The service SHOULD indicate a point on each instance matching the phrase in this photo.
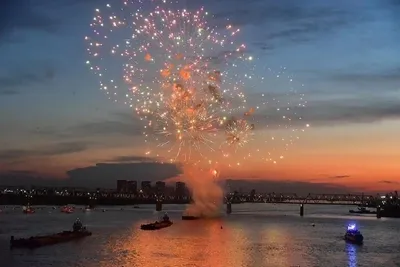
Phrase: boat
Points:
(389, 206)
(39, 241)
(158, 224)
(67, 209)
(353, 235)
(190, 217)
(362, 210)
(390, 211)
(78, 232)
(28, 210)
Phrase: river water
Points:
(258, 235)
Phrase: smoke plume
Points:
(207, 195)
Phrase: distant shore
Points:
(64, 200)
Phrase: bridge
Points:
(117, 198)
(319, 199)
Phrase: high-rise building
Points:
(121, 186)
(169, 191)
(252, 192)
(180, 189)
(131, 187)
(160, 187)
(146, 187)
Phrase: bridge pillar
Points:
(228, 207)
(92, 202)
(158, 205)
(301, 210)
(378, 212)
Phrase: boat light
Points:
(351, 227)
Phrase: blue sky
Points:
(345, 52)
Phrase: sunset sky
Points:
(54, 119)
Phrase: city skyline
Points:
(56, 123)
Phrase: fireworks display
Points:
(186, 81)
(238, 132)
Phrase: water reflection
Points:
(351, 251)
(192, 243)
(258, 240)
(278, 242)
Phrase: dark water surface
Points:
(258, 235)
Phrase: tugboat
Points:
(353, 235)
(157, 225)
(78, 231)
(362, 210)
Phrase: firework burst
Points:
(238, 132)
(183, 78)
